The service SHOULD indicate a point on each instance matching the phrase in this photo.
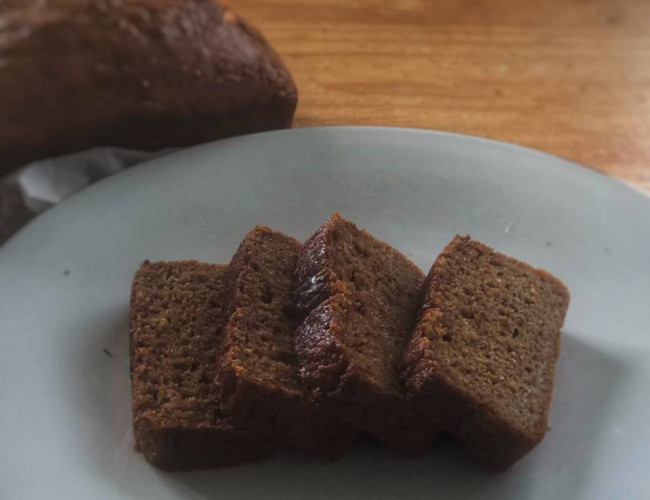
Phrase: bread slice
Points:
(258, 373)
(482, 358)
(140, 74)
(176, 325)
(359, 298)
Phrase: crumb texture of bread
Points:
(259, 373)
(358, 298)
(481, 361)
(139, 74)
(176, 322)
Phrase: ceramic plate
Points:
(64, 292)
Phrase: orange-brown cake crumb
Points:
(482, 358)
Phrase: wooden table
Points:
(570, 77)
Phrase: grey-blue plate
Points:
(64, 292)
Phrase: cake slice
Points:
(359, 298)
(258, 372)
(176, 323)
(482, 358)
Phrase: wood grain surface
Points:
(570, 77)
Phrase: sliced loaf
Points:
(259, 372)
(482, 358)
(359, 298)
(176, 324)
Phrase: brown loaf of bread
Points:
(176, 324)
(258, 373)
(143, 74)
(482, 359)
(360, 297)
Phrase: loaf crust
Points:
(141, 74)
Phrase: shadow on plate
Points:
(585, 387)
(103, 387)
(586, 395)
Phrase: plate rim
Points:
(614, 182)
